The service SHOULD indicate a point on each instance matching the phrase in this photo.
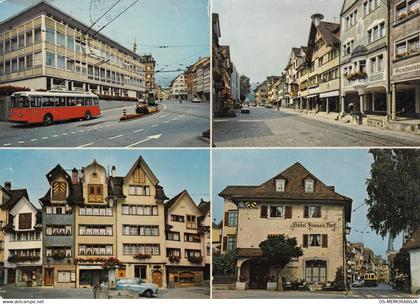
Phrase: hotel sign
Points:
(407, 69)
(313, 225)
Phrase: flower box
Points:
(356, 76)
(141, 256)
(174, 259)
(195, 259)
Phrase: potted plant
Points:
(195, 259)
(174, 259)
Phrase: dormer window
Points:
(309, 185)
(280, 185)
(58, 191)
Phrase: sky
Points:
(346, 169)
(184, 24)
(262, 33)
(176, 170)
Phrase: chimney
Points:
(317, 18)
(74, 176)
(113, 171)
(8, 185)
(82, 174)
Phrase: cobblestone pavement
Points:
(272, 128)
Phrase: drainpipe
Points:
(390, 93)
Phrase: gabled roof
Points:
(140, 163)
(15, 196)
(177, 198)
(414, 241)
(294, 190)
(58, 171)
(204, 207)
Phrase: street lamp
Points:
(347, 231)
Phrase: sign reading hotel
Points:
(313, 225)
(407, 69)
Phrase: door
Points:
(11, 276)
(258, 271)
(157, 278)
(49, 276)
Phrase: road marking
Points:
(45, 137)
(157, 136)
(64, 134)
(86, 145)
(114, 137)
(73, 132)
(9, 144)
(21, 142)
(154, 126)
(34, 139)
(165, 122)
(55, 135)
(137, 131)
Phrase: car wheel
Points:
(148, 293)
(48, 119)
(88, 115)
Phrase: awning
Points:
(330, 94)
(312, 95)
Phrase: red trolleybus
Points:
(48, 107)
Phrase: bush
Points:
(142, 110)
(339, 280)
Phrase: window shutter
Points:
(305, 241)
(226, 223)
(288, 212)
(306, 212)
(263, 211)
(324, 240)
(224, 242)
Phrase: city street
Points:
(380, 292)
(272, 128)
(13, 292)
(176, 125)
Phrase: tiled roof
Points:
(15, 196)
(414, 241)
(329, 32)
(204, 207)
(173, 200)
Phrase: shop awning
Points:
(330, 94)
(312, 95)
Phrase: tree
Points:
(279, 250)
(224, 264)
(245, 85)
(393, 191)
(339, 279)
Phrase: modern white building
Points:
(179, 87)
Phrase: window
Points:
(29, 61)
(177, 218)
(29, 38)
(309, 185)
(315, 240)
(37, 59)
(63, 276)
(50, 34)
(50, 59)
(173, 252)
(276, 211)
(21, 63)
(21, 42)
(95, 230)
(233, 218)
(191, 237)
(152, 249)
(95, 193)
(139, 176)
(315, 271)
(191, 222)
(140, 210)
(95, 210)
(191, 253)
(140, 230)
(37, 35)
(61, 39)
(231, 242)
(173, 236)
(280, 185)
(58, 230)
(93, 249)
(70, 43)
(61, 62)
(139, 190)
(25, 220)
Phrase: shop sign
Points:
(313, 225)
(407, 69)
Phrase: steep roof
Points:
(141, 163)
(414, 241)
(177, 198)
(15, 195)
(204, 207)
(295, 176)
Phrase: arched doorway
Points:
(315, 271)
(256, 271)
(157, 278)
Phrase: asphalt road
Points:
(177, 125)
(380, 292)
(272, 128)
(13, 292)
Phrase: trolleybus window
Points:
(20, 102)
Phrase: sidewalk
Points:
(346, 121)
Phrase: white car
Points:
(245, 109)
(143, 288)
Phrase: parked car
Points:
(245, 109)
(196, 100)
(358, 283)
(268, 106)
(143, 288)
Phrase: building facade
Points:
(364, 57)
(149, 65)
(22, 240)
(185, 242)
(404, 49)
(45, 48)
(294, 203)
(179, 87)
